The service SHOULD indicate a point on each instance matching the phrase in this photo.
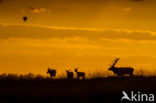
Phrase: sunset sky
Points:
(65, 34)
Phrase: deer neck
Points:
(114, 69)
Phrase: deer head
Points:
(67, 71)
(48, 70)
(76, 69)
(114, 63)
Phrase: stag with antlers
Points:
(120, 71)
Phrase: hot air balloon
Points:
(25, 18)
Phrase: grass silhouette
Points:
(32, 88)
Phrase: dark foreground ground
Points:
(99, 90)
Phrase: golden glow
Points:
(65, 34)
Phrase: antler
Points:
(115, 61)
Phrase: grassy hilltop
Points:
(38, 89)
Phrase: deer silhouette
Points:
(120, 71)
(79, 74)
(52, 72)
(70, 74)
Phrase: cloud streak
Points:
(127, 9)
(46, 32)
(38, 10)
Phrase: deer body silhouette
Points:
(79, 74)
(52, 72)
(120, 71)
(70, 74)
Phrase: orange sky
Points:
(65, 34)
